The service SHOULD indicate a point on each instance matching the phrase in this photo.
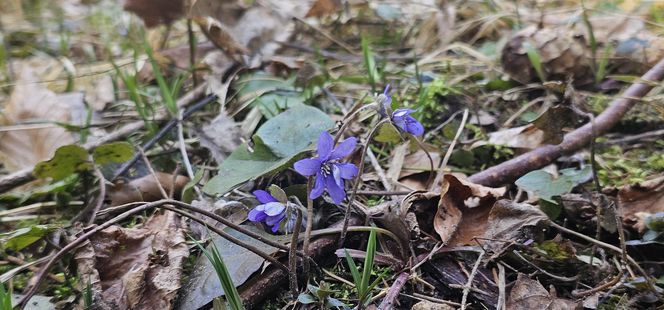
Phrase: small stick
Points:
(356, 185)
(153, 173)
(501, 287)
(602, 244)
(183, 146)
(393, 292)
(559, 278)
(307, 229)
(443, 164)
(469, 284)
(292, 254)
(102, 194)
(379, 169)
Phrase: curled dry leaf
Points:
(220, 36)
(322, 8)
(641, 199)
(531, 295)
(30, 102)
(145, 188)
(139, 267)
(473, 201)
(459, 213)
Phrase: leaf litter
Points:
(259, 82)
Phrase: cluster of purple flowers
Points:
(328, 168)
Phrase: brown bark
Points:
(512, 169)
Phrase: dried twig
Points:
(393, 292)
(469, 284)
(510, 170)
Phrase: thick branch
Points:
(512, 169)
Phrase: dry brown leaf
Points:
(221, 136)
(30, 102)
(528, 294)
(323, 8)
(220, 36)
(641, 199)
(463, 210)
(505, 222)
(145, 188)
(155, 12)
(526, 137)
(457, 215)
(141, 267)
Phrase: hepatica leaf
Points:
(67, 160)
(117, 152)
(275, 146)
(23, 237)
(544, 185)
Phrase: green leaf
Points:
(188, 190)
(276, 145)
(116, 152)
(67, 160)
(278, 193)
(545, 186)
(388, 133)
(244, 165)
(293, 131)
(306, 299)
(23, 237)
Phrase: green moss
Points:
(619, 167)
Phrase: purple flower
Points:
(270, 211)
(402, 119)
(329, 171)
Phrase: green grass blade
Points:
(368, 261)
(370, 64)
(5, 298)
(166, 92)
(535, 60)
(603, 63)
(353, 270)
(231, 293)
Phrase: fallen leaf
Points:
(553, 121)
(141, 267)
(428, 305)
(322, 8)
(473, 202)
(645, 197)
(506, 222)
(23, 237)
(526, 137)
(145, 188)
(528, 294)
(155, 12)
(220, 36)
(30, 103)
(221, 136)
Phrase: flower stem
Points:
(292, 254)
(359, 179)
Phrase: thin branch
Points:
(102, 194)
(469, 284)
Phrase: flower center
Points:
(326, 169)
